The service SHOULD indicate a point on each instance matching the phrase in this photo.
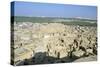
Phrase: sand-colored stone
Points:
(56, 39)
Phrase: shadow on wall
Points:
(43, 58)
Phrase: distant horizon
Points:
(33, 9)
(56, 17)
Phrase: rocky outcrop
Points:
(56, 39)
(86, 59)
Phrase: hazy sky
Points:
(53, 10)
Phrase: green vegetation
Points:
(81, 23)
(69, 21)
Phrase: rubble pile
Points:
(55, 39)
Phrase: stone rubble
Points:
(56, 39)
